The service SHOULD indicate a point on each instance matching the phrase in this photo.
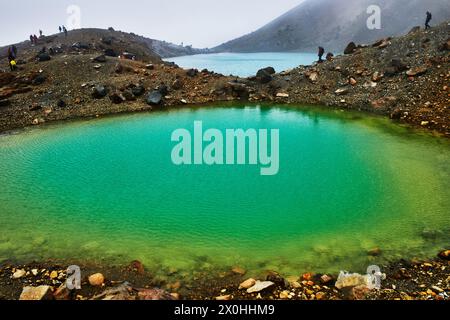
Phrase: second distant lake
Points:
(244, 64)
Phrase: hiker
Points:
(65, 31)
(60, 29)
(429, 17)
(330, 56)
(12, 55)
(35, 39)
(31, 39)
(321, 53)
(40, 33)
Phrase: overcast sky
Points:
(202, 23)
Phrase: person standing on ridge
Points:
(429, 17)
(35, 39)
(65, 31)
(12, 55)
(60, 29)
(321, 53)
(40, 33)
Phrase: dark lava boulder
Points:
(128, 95)
(138, 90)
(269, 70)
(239, 89)
(117, 98)
(163, 89)
(80, 45)
(100, 59)
(39, 79)
(177, 84)
(263, 76)
(154, 98)
(110, 53)
(191, 72)
(43, 56)
(351, 48)
(399, 65)
(4, 103)
(277, 279)
(99, 92)
(61, 103)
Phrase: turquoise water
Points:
(244, 64)
(106, 190)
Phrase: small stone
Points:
(247, 284)
(341, 91)
(224, 298)
(282, 95)
(260, 286)
(34, 272)
(307, 276)
(284, 295)
(352, 81)
(239, 270)
(53, 275)
(326, 279)
(36, 293)
(415, 72)
(437, 289)
(359, 292)
(96, 280)
(19, 274)
(424, 123)
(320, 295)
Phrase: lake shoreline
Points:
(405, 280)
(409, 90)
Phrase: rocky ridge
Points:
(405, 78)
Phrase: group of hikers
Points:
(63, 29)
(12, 51)
(330, 55)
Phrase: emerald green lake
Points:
(106, 190)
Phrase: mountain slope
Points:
(98, 39)
(335, 23)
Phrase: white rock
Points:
(282, 95)
(351, 280)
(19, 274)
(260, 286)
